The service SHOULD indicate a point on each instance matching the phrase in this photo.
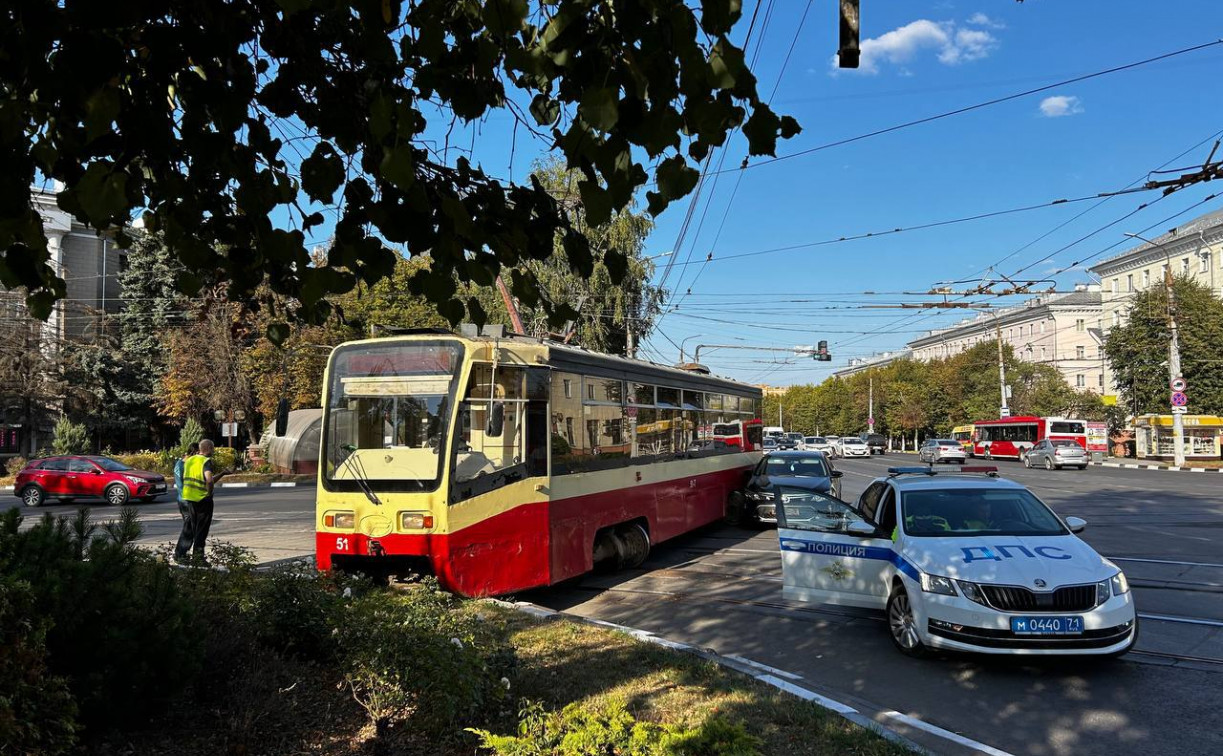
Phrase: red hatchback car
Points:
(68, 478)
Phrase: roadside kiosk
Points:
(1153, 436)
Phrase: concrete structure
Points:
(1196, 251)
(772, 390)
(859, 364)
(1062, 330)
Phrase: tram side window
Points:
(491, 436)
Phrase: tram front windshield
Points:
(387, 414)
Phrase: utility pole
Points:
(1174, 369)
(1003, 409)
(870, 404)
(1174, 352)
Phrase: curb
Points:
(1173, 468)
(247, 484)
(772, 677)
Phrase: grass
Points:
(565, 662)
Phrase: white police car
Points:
(960, 560)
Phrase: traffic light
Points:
(821, 352)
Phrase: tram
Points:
(504, 463)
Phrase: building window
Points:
(1101, 380)
(1080, 353)
(1116, 318)
(1080, 381)
(1116, 284)
(1080, 325)
(1042, 354)
(1204, 262)
(1129, 282)
(1146, 278)
(568, 390)
(1042, 326)
(1185, 266)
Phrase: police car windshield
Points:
(956, 512)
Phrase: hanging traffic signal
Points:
(821, 352)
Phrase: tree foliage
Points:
(70, 437)
(191, 112)
(1137, 350)
(930, 398)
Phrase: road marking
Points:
(1181, 620)
(1164, 561)
(945, 734)
(235, 485)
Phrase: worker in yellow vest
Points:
(198, 479)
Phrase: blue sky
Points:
(922, 59)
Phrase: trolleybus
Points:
(500, 464)
(964, 434)
(1013, 436)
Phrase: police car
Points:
(959, 560)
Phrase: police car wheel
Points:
(902, 624)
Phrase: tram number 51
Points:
(343, 544)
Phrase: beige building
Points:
(1194, 249)
(1062, 330)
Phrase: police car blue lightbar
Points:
(987, 469)
(911, 471)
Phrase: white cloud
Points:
(952, 45)
(1060, 105)
(980, 19)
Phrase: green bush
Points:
(70, 437)
(37, 713)
(225, 459)
(579, 731)
(15, 465)
(146, 460)
(118, 621)
(192, 433)
(415, 653)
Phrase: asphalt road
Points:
(720, 589)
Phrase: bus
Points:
(1013, 436)
(739, 433)
(963, 434)
(504, 463)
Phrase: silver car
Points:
(1056, 454)
(941, 450)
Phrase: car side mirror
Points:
(861, 528)
(837, 473)
(1076, 524)
(282, 418)
(496, 420)
(95, 471)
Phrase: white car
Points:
(817, 443)
(835, 443)
(854, 447)
(960, 561)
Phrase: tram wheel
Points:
(636, 545)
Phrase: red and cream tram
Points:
(500, 464)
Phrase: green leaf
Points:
(617, 265)
(322, 173)
(101, 109)
(718, 16)
(101, 194)
(577, 251)
(790, 127)
(598, 108)
(596, 202)
(505, 17)
(545, 109)
(726, 66)
(399, 166)
(380, 117)
(278, 333)
(676, 178)
(761, 131)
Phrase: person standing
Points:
(196, 492)
(192, 450)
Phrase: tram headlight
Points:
(341, 520)
(415, 521)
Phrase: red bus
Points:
(499, 464)
(745, 434)
(1013, 436)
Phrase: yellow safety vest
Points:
(195, 488)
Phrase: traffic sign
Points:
(1178, 384)
(1179, 399)
(870, 421)
(1179, 410)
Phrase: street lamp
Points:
(655, 257)
(1174, 356)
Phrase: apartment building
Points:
(1062, 330)
(1194, 249)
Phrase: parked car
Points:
(876, 442)
(817, 443)
(854, 447)
(786, 474)
(81, 477)
(769, 444)
(835, 443)
(788, 441)
(941, 450)
(1056, 454)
